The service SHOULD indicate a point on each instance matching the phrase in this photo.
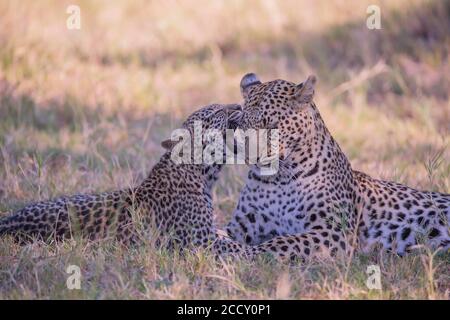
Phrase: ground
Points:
(85, 111)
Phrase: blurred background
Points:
(85, 110)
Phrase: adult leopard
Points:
(315, 197)
(175, 198)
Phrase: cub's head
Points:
(215, 116)
(281, 105)
(205, 128)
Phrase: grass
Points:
(85, 111)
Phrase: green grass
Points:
(85, 111)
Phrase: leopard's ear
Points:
(248, 81)
(168, 144)
(304, 92)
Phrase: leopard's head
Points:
(209, 124)
(215, 116)
(281, 105)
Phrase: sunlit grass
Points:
(85, 111)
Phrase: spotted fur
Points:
(316, 201)
(175, 198)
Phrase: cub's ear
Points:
(304, 93)
(168, 144)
